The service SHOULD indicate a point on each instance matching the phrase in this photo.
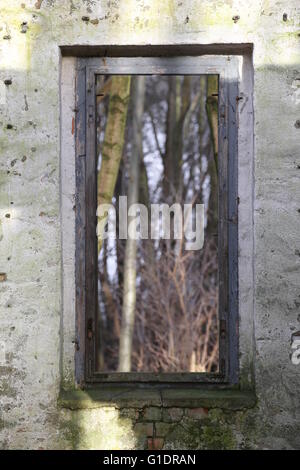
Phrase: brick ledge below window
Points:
(96, 397)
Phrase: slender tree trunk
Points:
(212, 115)
(120, 243)
(178, 117)
(129, 292)
(170, 133)
(113, 145)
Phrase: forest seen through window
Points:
(157, 146)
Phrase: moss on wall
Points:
(32, 326)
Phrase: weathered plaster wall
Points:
(31, 232)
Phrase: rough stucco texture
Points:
(30, 228)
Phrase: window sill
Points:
(230, 399)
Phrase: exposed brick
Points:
(3, 277)
(144, 429)
(156, 443)
(197, 413)
(151, 414)
(130, 413)
(172, 415)
(162, 429)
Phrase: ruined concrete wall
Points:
(32, 346)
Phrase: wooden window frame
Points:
(226, 67)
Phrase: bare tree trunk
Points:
(180, 109)
(112, 145)
(129, 292)
(170, 133)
